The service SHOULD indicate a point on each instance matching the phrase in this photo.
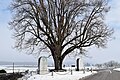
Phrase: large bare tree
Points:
(59, 26)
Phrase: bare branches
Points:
(60, 26)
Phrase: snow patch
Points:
(76, 75)
(117, 69)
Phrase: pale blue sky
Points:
(112, 52)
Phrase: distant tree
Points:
(87, 64)
(59, 26)
(111, 64)
(3, 71)
(99, 65)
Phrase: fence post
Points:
(52, 73)
(13, 67)
(71, 72)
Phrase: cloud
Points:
(113, 16)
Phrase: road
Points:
(105, 75)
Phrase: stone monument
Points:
(42, 65)
(79, 64)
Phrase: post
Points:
(71, 72)
(38, 70)
(13, 67)
(52, 73)
(84, 70)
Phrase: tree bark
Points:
(58, 60)
(57, 57)
(58, 63)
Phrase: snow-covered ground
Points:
(19, 69)
(2, 67)
(68, 75)
(76, 75)
(117, 69)
(9, 68)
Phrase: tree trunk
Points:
(58, 63)
(58, 60)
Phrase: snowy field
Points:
(9, 68)
(68, 75)
(76, 75)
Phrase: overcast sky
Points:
(112, 52)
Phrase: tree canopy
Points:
(59, 26)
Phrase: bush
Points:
(3, 71)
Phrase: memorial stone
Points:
(79, 64)
(42, 65)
